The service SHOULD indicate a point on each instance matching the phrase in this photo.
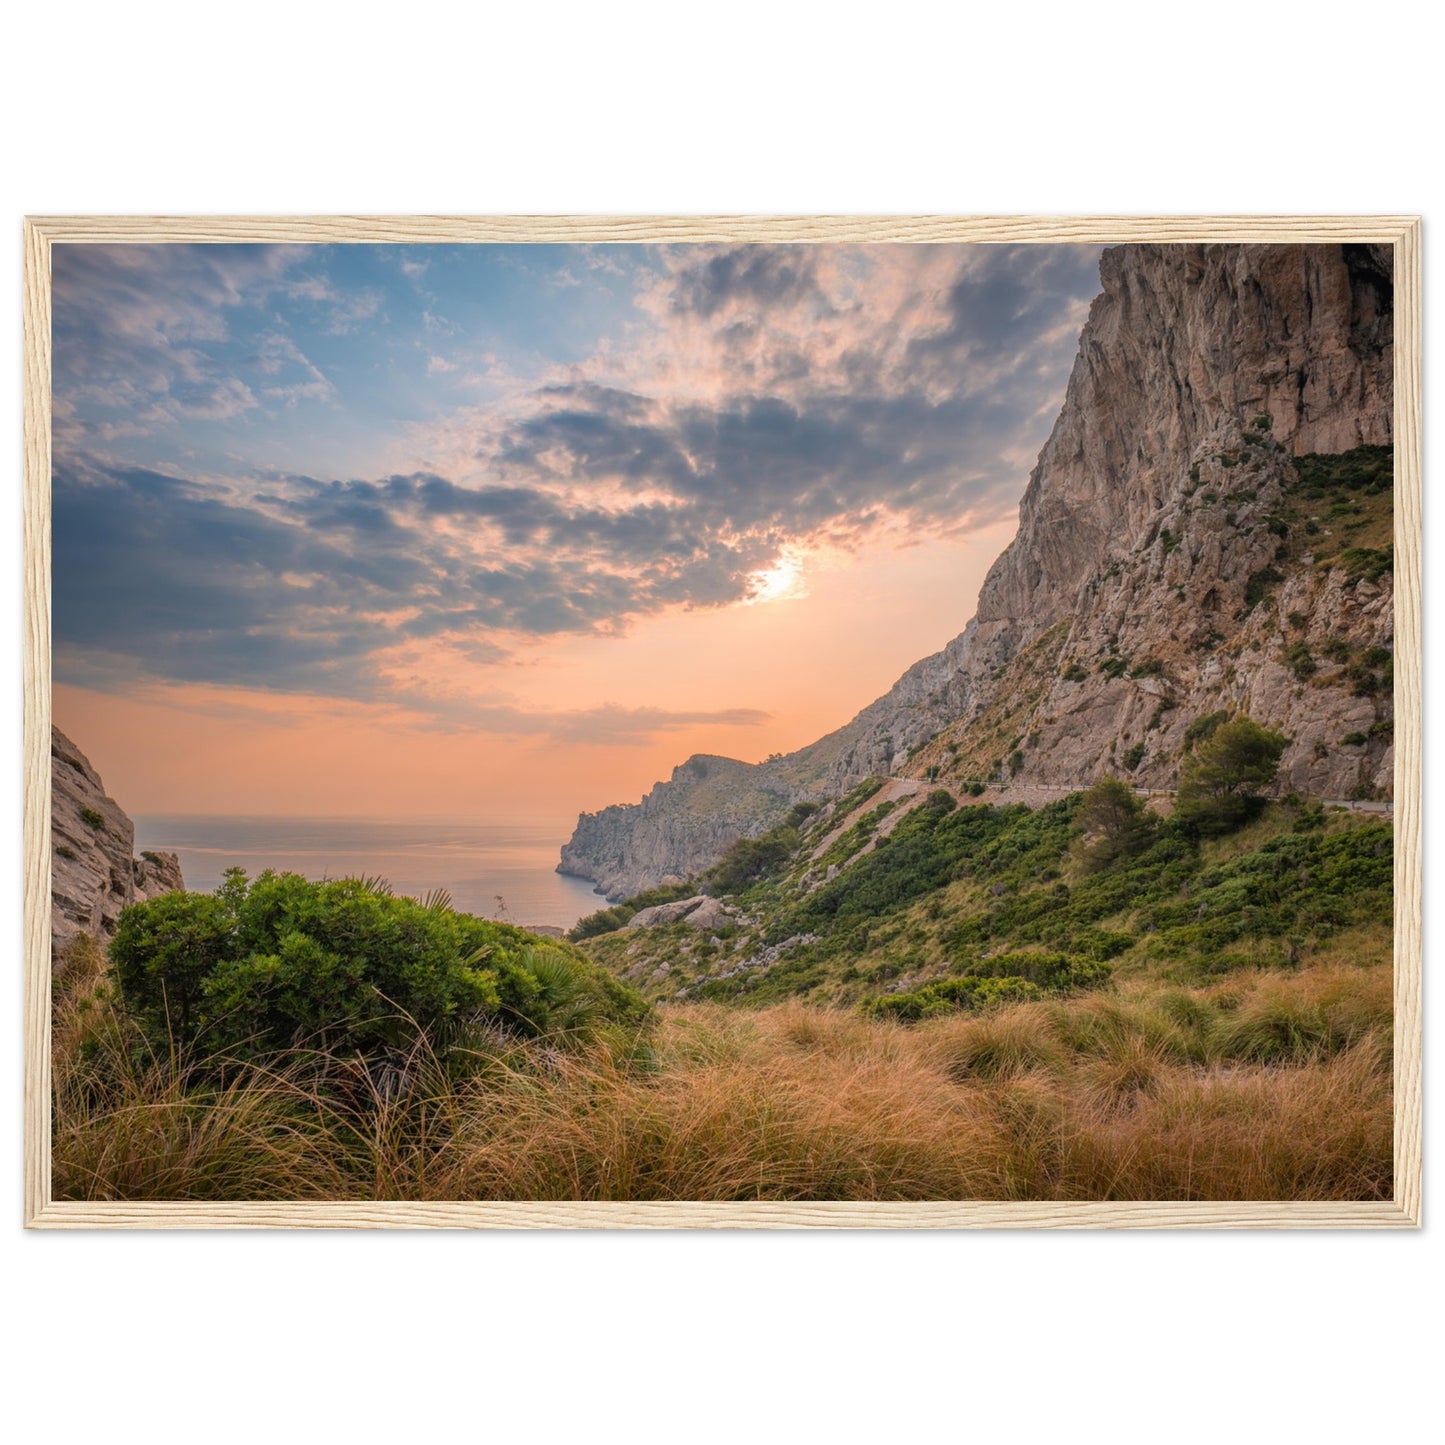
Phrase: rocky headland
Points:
(1208, 529)
(94, 870)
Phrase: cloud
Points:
(611, 725)
(141, 336)
(758, 277)
(343, 311)
(768, 401)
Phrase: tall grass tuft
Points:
(1264, 1087)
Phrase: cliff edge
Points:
(1208, 528)
(94, 870)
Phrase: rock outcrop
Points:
(1168, 564)
(700, 912)
(680, 827)
(94, 870)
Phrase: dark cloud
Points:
(757, 276)
(762, 462)
(1014, 296)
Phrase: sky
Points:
(504, 533)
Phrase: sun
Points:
(783, 580)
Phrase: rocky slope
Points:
(94, 870)
(1184, 547)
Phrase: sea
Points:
(505, 871)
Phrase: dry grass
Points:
(1262, 1087)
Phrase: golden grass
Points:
(1259, 1087)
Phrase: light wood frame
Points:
(1401, 232)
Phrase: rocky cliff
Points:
(94, 870)
(1207, 529)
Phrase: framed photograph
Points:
(722, 722)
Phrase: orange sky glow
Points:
(809, 661)
(505, 533)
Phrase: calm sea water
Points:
(494, 870)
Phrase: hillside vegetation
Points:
(907, 999)
(958, 894)
(1255, 1088)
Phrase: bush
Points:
(1221, 780)
(1367, 564)
(1300, 661)
(609, 920)
(750, 859)
(92, 819)
(1111, 823)
(343, 966)
(1202, 728)
(948, 996)
(1367, 469)
(1260, 585)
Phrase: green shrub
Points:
(1111, 824)
(1364, 469)
(64, 851)
(1052, 972)
(1367, 564)
(92, 819)
(1260, 585)
(948, 996)
(1300, 660)
(1220, 781)
(343, 966)
(1133, 756)
(752, 858)
(1203, 727)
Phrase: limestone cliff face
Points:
(1165, 561)
(678, 829)
(1165, 567)
(94, 873)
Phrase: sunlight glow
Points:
(782, 581)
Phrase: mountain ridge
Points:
(1184, 547)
